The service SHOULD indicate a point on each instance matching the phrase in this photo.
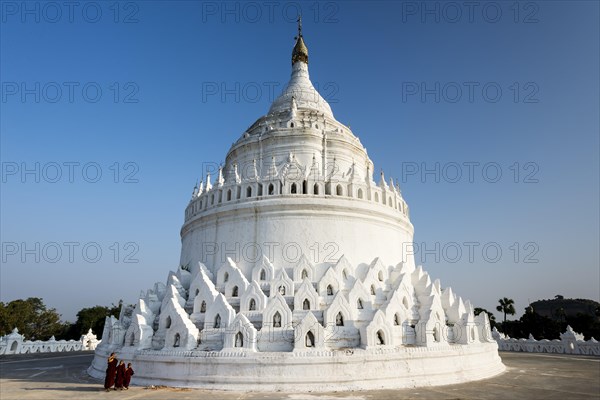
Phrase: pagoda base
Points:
(310, 370)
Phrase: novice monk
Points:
(111, 370)
(120, 376)
(128, 374)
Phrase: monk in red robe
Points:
(128, 374)
(111, 371)
(120, 376)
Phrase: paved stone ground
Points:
(528, 376)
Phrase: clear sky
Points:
(488, 116)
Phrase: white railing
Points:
(570, 342)
(15, 343)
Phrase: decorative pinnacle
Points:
(300, 52)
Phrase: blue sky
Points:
(148, 93)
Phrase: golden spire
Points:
(300, 52)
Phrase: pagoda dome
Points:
(296, 161)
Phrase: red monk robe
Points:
(111, 371)
(120, 376)
(128, 374)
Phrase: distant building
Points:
(560, 308)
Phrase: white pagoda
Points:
(296, 274)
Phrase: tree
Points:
(539, 326)
(31, 316)
(93, 317)
(587, 324)
(491, 316)
(560, 315)
(507, 307)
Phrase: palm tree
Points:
(507, 307)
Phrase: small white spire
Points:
(314, 168)
(208, 184)
(333, 168)
(272, 173)
(220, 179)
(382, 183)
(237, 175)
(353, 173)
(254, 169)
(232, 175)
(293, 108)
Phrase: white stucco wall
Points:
(284, 229)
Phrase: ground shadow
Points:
(71, 389)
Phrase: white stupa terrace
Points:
(295, 275)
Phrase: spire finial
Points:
(300, 52)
